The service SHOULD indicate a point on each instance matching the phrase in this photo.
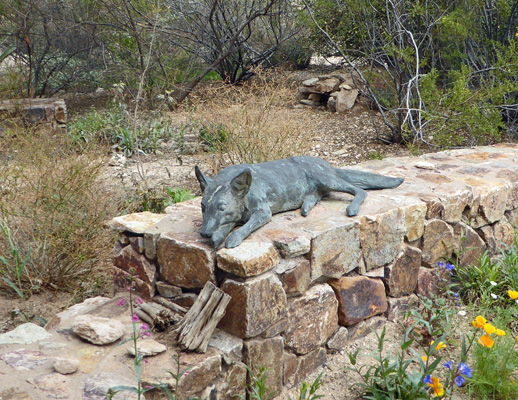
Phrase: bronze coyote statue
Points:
(249, 194)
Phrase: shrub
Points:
(54, 205)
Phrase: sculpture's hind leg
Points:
(309, 203)
(330, 183)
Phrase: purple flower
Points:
(456, 294)
(440, 264)
(145, 327)
(134, 318)
(148, 387)
(138, 301)
(448, 364)
(449, 267)
(427, 379)
(465, 370)
(121, 302)
(459, 381)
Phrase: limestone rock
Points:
(345, 99)
(326, 85)
(15, 394)
(437, 241)
(414, 219)
(24, 360)
(128, 259)
(381, 236)
(66, 366)
(363, 328)
(203, 369)
(147, 347)
(98, 330)
(310, 82)
(295, 275)
(250, 258)
(289, 244)
(401, 275)
(312, 319)
(359, 298)
(308, 363)
(136, 223)
(167, 290)
(339, 340)
(185, 300)
(498, 236)
(185, 261)
(235, 382)
(120, 283)
(468, 245)
(96, 387)
(335, 246)
(256, 305)
(427, 282)
(397, 307)
(230, 346)
(266, 353)
(24, 334)
(290, 364)
(52, 385)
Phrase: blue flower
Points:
(427, 379)
(449, 267)
(464, 369)
(448, 364)
(459, 380)
(456, 294)
(440, 264)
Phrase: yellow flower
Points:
(479, 322)
(436, 385)
(425, 359)
(486, 341)
(489, 328)
(513, 294)
(439, 346)
(500, 332)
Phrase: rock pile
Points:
(336, 92)
(50, 113)
(345, 275)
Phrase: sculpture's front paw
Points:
(233, 240)
(217, 240)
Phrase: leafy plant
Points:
(257, 389)
(177, 195)
(16, 267)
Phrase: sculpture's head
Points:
(223, 204)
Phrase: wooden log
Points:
(169, 304)
(198, 325)
(162, 317)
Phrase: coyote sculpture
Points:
(249, 194)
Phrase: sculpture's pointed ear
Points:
(203, 179)
(241, 184)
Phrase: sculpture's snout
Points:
(205, 234)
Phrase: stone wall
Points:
(303, 287)
(50, 113)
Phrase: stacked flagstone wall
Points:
(304, 287)
(49, 113)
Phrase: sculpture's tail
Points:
(368, 180)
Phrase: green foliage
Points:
(213, 135)
(117, 127)
(376, 155)
(494, 369)
(440, 72)
(15, 272)
(393, 376)
(490, 277)
(177, 195)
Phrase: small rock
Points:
(425, 165)
(66, 366)
(98, 330)
(147, 348)
(167, 290)
(24, 334)
(339, 340)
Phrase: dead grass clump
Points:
(249, 124)
(51, 200)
